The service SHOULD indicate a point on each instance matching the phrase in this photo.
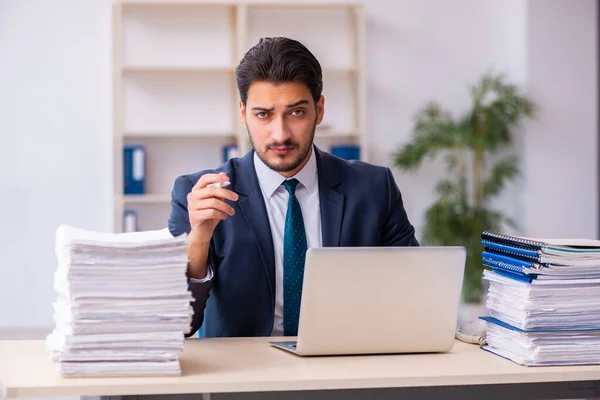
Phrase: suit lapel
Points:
(332, 202)
(253, 207)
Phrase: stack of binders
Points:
(543, 299)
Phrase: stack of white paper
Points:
(543, 304)
(543, 322)
(123, 305)
(547, 347)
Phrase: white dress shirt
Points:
(276, 201)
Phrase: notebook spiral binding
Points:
(512, 253)
(534, 244)
(503, 265)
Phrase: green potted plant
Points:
(477, 150)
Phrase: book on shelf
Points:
(134, 169)
(347, 152)
(230, 151)
(130, 221)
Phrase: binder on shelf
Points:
(134, 169)
(347, 152)
(130, 221)
(230, 151)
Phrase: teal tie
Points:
(294, 251)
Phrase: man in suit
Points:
(248, 240)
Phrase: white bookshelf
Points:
(175, 91)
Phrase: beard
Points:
(290, 165)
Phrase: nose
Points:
(280, 131)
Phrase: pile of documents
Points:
(123, 305)
(543, 299)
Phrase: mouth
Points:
(281, 150)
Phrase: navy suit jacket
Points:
(360, 204)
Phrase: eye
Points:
(298, 112)
(261, 114)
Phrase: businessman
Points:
(248, 239)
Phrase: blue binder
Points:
(229, 152)
(134, 169)
(350, 152)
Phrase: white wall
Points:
(55, 149)
(421, 50)
(560, 193)
(55, 122)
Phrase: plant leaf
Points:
(446, 188)
(434, 131)
(498, 107)
(502, 171)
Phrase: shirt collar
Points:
(270, 180)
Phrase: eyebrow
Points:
(296, 104)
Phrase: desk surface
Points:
(250, 364)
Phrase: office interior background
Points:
(62, 130)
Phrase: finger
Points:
(216, 204)
(212, 192)
(202, 216)
(207, 179)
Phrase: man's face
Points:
(281, 120)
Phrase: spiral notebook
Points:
(525, 243)
(511, 251)
(508, 264)
(572, 252)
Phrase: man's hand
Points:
(206, 206)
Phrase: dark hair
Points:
(279, 60)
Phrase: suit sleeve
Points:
(397, 230)
(179, 223)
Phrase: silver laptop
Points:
(378, 300)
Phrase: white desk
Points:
(250, 365)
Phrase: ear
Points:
(320, 109)
(243, 114)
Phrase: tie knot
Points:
(290, 185)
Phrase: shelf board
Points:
(191, 69)
(265, 4)
(319, 6)
(178, 135)
(170, 69)
(340, 70)
(327, 134)
(145, 199)
(130, 3)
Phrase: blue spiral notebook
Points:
(519, 243)
(516, 265)
(513, 251)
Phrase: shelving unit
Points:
(175, 92)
